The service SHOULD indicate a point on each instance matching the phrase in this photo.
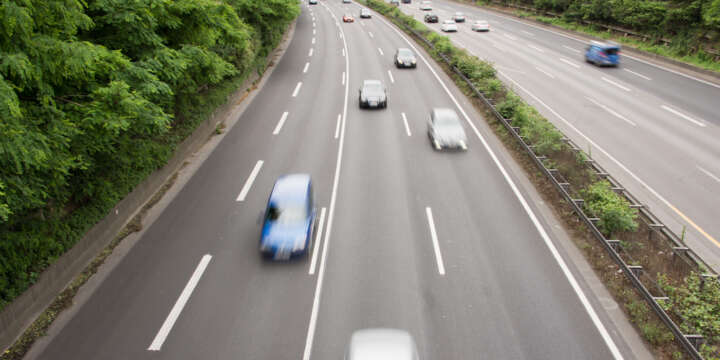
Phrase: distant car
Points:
(603, 54)
(346, 1)
(373, 94)
(365, 13)
(480, 25)
(426, 5)
(289, 218)
(406, 1)
(449, 26)
(404, 57)
(459, 17)
(431, 18)
(445, 130)
(381, 344)
(312, 2)
(395, 2)
(348, 18)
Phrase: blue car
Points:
(603, 54)
(289, 218)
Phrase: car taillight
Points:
(602, 54)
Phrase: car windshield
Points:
(287, 214)
(405, 53)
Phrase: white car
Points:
(426, 6)
(459, 17)
(449, 26)
(480, 25)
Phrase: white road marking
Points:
(341, 35)
(343, 52)
(297, 89)
(498, 47)
(571, 278)
(510, 36)
(545, 72)
(528, 33)
(313, 24)
(611, 111)
(391, 77)
(311, 52)
(536, 48)
(371, 35)
(331, 213)
(436, 244)
(313, 40)
(249, 181)
(313, 31)
(380, 51)
(638, 74)
(570, 63)
(572, 49)
(616, 84)
(343, 78)
(709, 174)
(280, 123)
(696, 122)
(306, 67)
(318, 238)
(337, 126)
(407, 127)
(362, 23)
(162, 334)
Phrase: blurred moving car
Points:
(404, 57)
(480, 25)
(348, 18)
(426, 5)
(381, 344)
(289, 218)
(365, 13)
(459, 17)
(395, 2)
(406, 1)
(346, 1)
(603, 54)
(312, 2)
(431, 18)
(445, 130)
(449, 26)
(373, 94)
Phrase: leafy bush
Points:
(698, 302)
(613, 210)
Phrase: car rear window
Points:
(612, 51)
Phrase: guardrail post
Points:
(695, 340)
(636, 269)
(615, 244)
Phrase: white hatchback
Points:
(426, 5)
(481, 25)
(449, 26)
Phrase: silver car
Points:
(445, 130)
(373, 94)
(381, 344)
(480, 25)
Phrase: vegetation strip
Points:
(637, 240)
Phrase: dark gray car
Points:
(404, 57)
(373, 94)
(445, 130)
(381, 344)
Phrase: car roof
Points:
(381, 344)
(290, 189)
(604, 45)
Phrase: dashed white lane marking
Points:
(615, 83)
(688, 118)
(528, 33)
(611, 111)
(407, 127)
(311, 52)
(536, 48)
(157, 343)
(313, 40)
(313, 24)
(392, 80)
(436, 244)
(313, 31)
(498, 47)
(371, 34)
(337, 126)
(638, 74)
(343, 78)
(343, 52)
(510, 36)
(380, 51)
(570, 63)
(297, 89)
(280, 123)
(318, 238)
(711, 175)
(572, 49)
(305, 69)
(249, 181)
(545, 72)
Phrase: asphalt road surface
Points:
(442, 244)
(652, 127)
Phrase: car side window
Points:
(273, 213)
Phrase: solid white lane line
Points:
(313, 40)
(436, 244)
(311, 52)
(318, 238)
(407, 127)
(162, 334)
(510, 36)
(536, 48)
(696, 122)
(297, 89)
(343, 78)
(392, 80)
(611, 111)
(541, 230)
(249, 181)
(572, 49)
(570, 63)
(371, 35)
(331, 214)
(337, 126)
(306, 67)
(709, 174)
(615, 83)
(280, 123)
(545, 72)
(528, 33)
(380, 51)
(638, 74)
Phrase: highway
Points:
(443, 244)
(652, 126)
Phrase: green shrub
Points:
(613, 210)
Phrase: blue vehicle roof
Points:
(605, 46)
(290, 189)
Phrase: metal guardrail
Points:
(690, 342)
